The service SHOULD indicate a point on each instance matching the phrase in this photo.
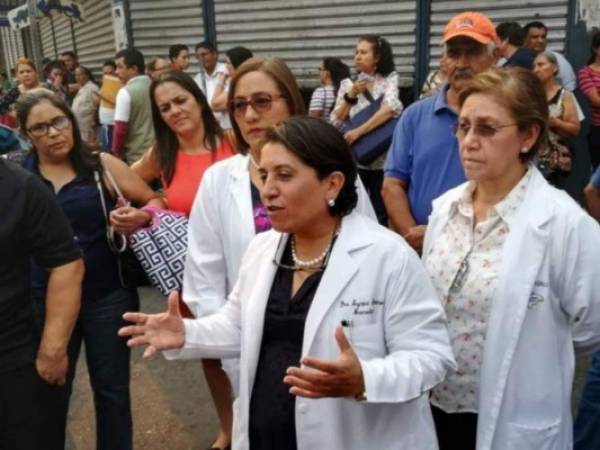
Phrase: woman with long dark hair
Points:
(377, 79)
(80, 180)
(331, 74)
(188, 140)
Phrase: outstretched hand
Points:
(321, 378)
(163, 331)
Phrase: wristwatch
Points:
(350, 100)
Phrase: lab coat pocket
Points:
(367, 340)
(529, 437)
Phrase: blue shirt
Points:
(80, 201)
(523, 57)
(424, 153)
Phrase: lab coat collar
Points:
(524, 248)
(240, 191)
(343, 265)
(537, 212)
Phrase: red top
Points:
(189, 169)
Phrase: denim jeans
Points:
(106, 137)
(587, 423)
(107, 357)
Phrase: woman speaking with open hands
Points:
(327, 287)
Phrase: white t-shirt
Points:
(208, 84)
(106, 115)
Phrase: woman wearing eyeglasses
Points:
(338, 329)
(228, 211)
(76, 176)
(515, 263)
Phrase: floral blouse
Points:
(382, 86)
(464, 265)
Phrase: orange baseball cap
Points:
(473, 25)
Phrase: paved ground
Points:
(172, 409)
(171, 403)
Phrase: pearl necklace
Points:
(311, 263)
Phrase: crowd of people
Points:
(358, 274)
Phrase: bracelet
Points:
(350, 100)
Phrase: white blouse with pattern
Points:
(464, 264)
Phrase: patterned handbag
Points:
(161, 248)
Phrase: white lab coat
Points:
(546, 302)
(399, 333)
(220, 228)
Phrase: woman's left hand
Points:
(352, 136)
(341, 377)
(127, 219)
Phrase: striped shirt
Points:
(322, 100)
(589, 79)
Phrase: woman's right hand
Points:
(164, 331)
(358, 87)
(127, 219)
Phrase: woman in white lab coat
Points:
(227, 211)
(516, 264)
(331, 289)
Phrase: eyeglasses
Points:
(482, 130)
(260, 102)
(41, 129)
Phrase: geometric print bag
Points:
(161, 248)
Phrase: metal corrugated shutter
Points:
(62, 31)
(12, 46)
(158, 24)
(303, 32)
(12, 41)
(94, 38)
(552, 13)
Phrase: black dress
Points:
(272, 418)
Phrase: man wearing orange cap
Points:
(423, 161)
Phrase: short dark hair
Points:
(511, 31)
(535, 24)
(109, 62)
(322, 147)
(237, 55)
(55, 64)
(132, 57)
(175, 50)
(338, 71)
(82, 159)
(167, 144)
(70, 53)
(207, 45)
(382, 50)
